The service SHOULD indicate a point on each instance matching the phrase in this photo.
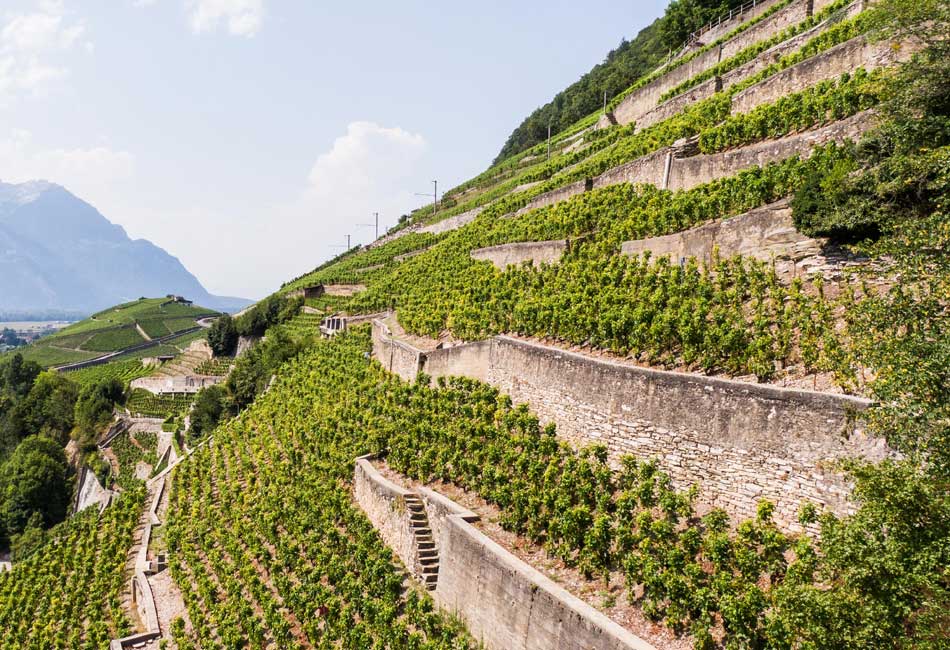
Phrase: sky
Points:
(249, 137)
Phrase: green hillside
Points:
(622, 66)
(268, 546)
(115, 329)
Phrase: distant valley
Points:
(59, 254)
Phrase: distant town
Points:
(14, 334)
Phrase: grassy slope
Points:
(114, 329)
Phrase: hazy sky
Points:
(248, 137)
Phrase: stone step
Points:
(427, 562)
(427, 553)
(426, 545)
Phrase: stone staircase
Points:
(425, 543)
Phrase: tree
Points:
(33, 480)
(49, 407)
(223, 336)
(207, 410)
(686, 16)
(95, 404)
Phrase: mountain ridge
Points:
(58, 252)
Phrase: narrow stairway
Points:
(427, 553)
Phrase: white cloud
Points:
(90, 173)
(242, 17)
(368, 169)
(31, 45)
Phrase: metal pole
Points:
(347, 242)
(435, 196)
(605, 100)
(549, 140)
(377, 224)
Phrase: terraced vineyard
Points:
(217, 367)
(819, 106)
(281, 556)
(124, 371)
(146, 404)
(68, 594)
(115, 329)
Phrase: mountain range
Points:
(58, 253)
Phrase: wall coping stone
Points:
(800, 395)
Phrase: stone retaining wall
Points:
(738, 441)
(678, 104)
(537, 252)
(384, 503)
(633, 107)
(831, 64)
(396, 356)
(727, 26)
(505, 603)
(767, 233)
(650, 168)
(556, 195)
(452, 223)
(177, 384)
(687, 173)
(782, 19)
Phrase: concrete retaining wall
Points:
(738, 441)
(505, 603)
(537, 252)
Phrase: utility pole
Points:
(341, 245)
(435, 196)
(372, 225)
(605, 102)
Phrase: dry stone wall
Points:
(505, 603)
(537, 252)
(384, 503)
(645, 99)
(767, 233)
(452, 223)
(845, 57)
(727, 25)
(739, 442)
(556, 195)
(686, 173)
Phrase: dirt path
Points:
(138, 328)
(168, 601)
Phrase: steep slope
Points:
(622, 66)
(59, 252)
